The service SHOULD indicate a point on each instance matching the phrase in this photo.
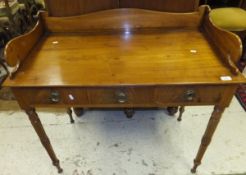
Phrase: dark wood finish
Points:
(78, 7)
(125, 58)
(243, 4)
(181, 111)
(70, 114)
(162, 5)
(129, 113)
(37, 125)
(122, 20)
(151, 96)
(172, 110)
(63, 8)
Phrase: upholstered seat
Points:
(233, 19)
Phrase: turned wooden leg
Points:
(212, 125)
(37, 125)
(129, 113)
(181, 111)
(70, 113)
(172, 110)
(78, 111)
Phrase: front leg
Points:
(212, 125)
(37, 125)
(70, 113)
(181, 111)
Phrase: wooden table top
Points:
(128, 58)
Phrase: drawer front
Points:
(123, 96)
(56, 96)
(189, 95)
(88, 97)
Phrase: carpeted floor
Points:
(107, 143)
(241, 95)
(241, 92)
(234, 174)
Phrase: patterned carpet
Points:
(241, 92)
(241, 95)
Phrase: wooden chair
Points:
(61, 8)
(232, 19)
(229, 18)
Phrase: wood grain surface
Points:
(162, 49)
(124, 58)
(18, 48)
(227, 43)
(105, 97)
(157, 58)
(162, 5)
(61, 8)
(123, 19)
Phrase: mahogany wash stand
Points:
(125, 58)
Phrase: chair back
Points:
(243, 4)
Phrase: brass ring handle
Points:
(190, 95)
(121, 97)
(54, 97)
